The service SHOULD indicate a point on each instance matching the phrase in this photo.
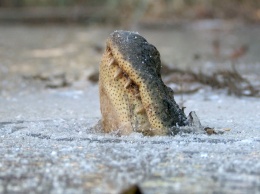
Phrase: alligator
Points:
(133, 97)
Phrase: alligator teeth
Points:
(128, 83)
(138, 95)
(108, 50)
(118, 73)
(111, 62)
(140, 110)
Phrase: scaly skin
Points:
(133, 96)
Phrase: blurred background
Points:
(59, 43)
(127, 11)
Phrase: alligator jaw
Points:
(133, 96)
(120, 99)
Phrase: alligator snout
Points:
(133, 96)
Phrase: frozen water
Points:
(48, 143)
(56, 148)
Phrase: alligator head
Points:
(133, 96)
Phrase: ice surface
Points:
(56, 149)
(48, 144)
